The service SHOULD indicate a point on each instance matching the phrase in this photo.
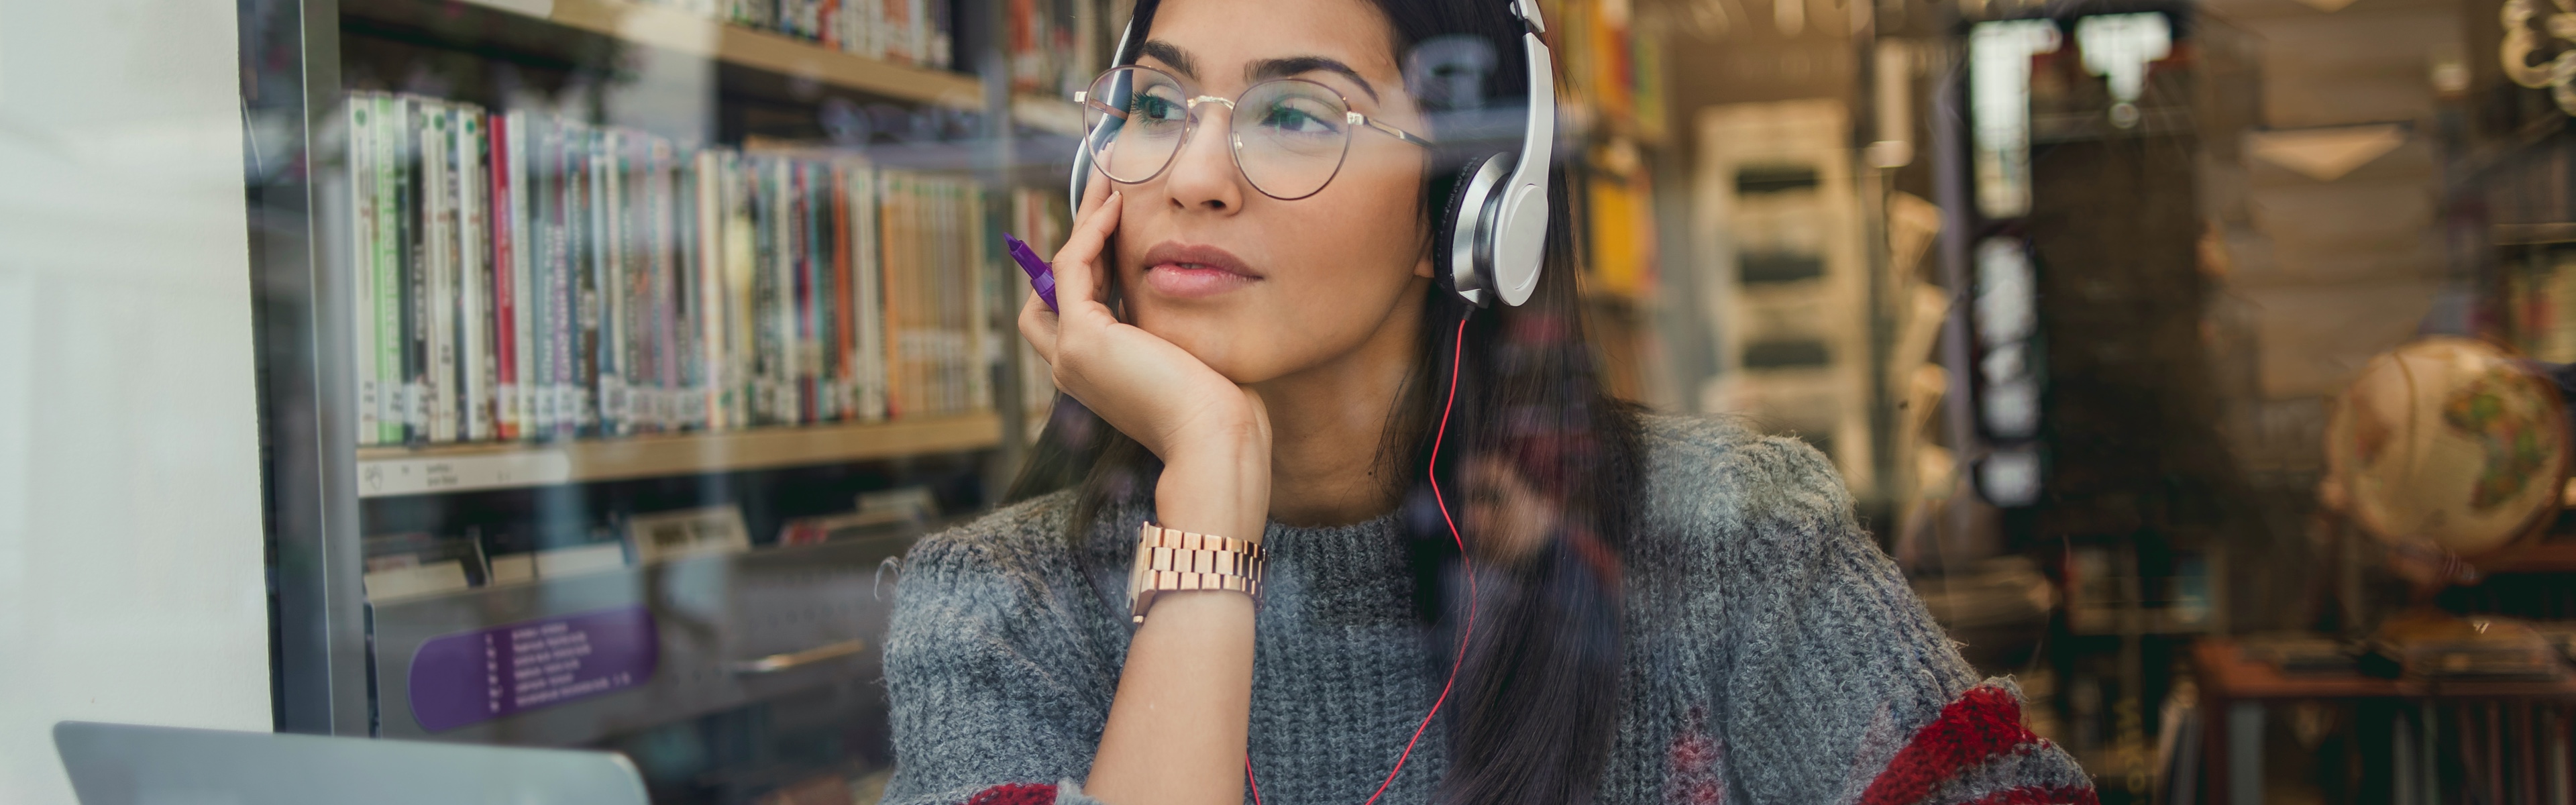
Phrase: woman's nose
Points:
(1203, 176)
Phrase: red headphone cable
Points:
(1458, 352)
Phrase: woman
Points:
(1630, 609)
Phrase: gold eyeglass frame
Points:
(1234, 140)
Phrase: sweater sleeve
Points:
(1840, 687)
(996, 695)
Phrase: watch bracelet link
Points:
(1171, 560)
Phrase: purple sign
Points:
(468, 677)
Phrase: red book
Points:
(504, 280)
(846, 331)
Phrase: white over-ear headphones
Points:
(1493, 238)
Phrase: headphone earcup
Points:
(1454, 218)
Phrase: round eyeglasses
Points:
(1289, 135)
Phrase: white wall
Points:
(130, 559)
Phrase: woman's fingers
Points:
(1081, 275)
(1038, 325)
(1077, 273)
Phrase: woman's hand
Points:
(1177, 729)
(1212, 435)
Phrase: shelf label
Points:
(475, 676)
(412, 476)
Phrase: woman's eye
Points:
(1157, 109)
(1295, 120)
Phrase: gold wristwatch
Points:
(1173, 560)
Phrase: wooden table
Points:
(2235, 690)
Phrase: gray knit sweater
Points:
(1773, 654)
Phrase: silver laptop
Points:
(124, 764)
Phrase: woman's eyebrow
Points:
(1172, 55)
(1282, 68)
(1181, 62)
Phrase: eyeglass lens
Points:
(1288, 136)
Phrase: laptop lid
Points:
(125, 764)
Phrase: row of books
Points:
(2540, 307)
(913, 32)
(2533, 186)
(1053, 47)
(520, 276)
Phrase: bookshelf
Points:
(734, 44)
(1051, 115)
(389, 471)
(802, 615)
(2534, 234)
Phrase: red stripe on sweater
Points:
(1982, 723)
(2041, 795)
(1015, 794)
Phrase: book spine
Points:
(386, 262)
(667, 301)
(779, 190)
(764, 292)
(452, 290)
(943, 299)
(505, 267)
(983, 286)
(800, 339)
(689, 286)
(473, 252)
(544, 256)
(523, 252)
(952, 275)
(657, 238)
(707, 224)
(844, 312)
(813, 296)
(937, 31)
(643, 318)
(917, 32)
(897, 291)
(574, 172)
(598, 288)
(900, 298)
(869, 288)
(633, 271)
(415, 282)
(616, 286)
(560, 260)
(362, 273)
(438, 300)
(959, 275)
(934, 302)
(742, 283)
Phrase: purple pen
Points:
(1041, 277)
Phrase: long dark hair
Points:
(1537, 696)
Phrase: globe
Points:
(2452, 453)
(2448, 446)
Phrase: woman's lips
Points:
(1194, 271)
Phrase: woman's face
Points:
(1260, 288)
